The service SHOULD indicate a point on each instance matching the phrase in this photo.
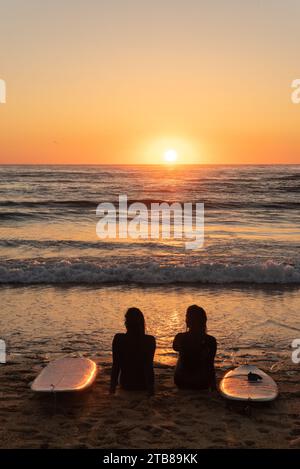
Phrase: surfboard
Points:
(237, 386)
(66, 374)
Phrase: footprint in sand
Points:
(219, 440)
(217, 429)
(111, 421)
(295, 432)
(155, 431)
(249, 443)
(263, 430)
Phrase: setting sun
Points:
(170, 150)
(170, 156)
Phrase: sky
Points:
(123, 81)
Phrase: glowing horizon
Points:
(210, 84)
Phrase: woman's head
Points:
(196, 319)
(134, 321)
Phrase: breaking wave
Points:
(75, 271)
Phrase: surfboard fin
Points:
(254, 377)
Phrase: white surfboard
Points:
(236, 386)
(66, 374)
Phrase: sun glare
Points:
(170, 156)
(168, 150)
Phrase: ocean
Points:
(64, 290)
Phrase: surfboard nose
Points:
(66, 374)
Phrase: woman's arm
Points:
(211, 365)
(149, 373)
(177, 342)
(115, 371)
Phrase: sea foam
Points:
(76, 271)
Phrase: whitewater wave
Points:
(75, 271)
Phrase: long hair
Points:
(135, 322)
(196, 319)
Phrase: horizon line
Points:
(150, 164)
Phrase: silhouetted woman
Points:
(133, 355)
(195, 366)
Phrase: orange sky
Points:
(121, 81)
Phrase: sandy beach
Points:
(170, 419)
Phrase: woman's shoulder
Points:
(181, 336)
(119, 336)
(211, 339)
(150, 338)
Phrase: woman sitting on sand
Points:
(197, 350)
(133, 355)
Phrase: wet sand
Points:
(170, 419)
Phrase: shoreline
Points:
(242, 286)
